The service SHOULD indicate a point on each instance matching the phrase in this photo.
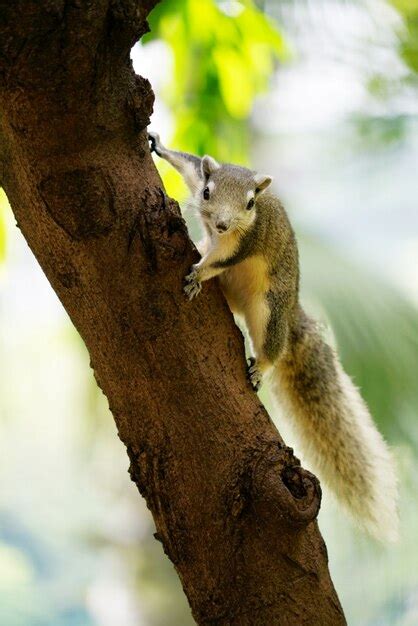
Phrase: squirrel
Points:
(251, 247)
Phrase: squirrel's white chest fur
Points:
(245, 282)
(245, 286)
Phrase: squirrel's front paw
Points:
(193, 285)
(155, 143)
(254, 374)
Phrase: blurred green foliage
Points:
(376, 329)
(384, 86)
(408, 46)
(380, 131)
(224, 55)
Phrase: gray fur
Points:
(194, 160)
(188, 165)
(277, 328)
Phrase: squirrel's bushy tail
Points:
(335, 430)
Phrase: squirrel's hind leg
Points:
(257, 315)
(268, 329)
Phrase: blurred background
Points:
(323, 95)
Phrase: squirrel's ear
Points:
(209, 165)
(262, 182)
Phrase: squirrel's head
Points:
(228, 194)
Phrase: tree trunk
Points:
(233, 509)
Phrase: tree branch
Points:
(233, 508)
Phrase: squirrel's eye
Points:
(206, 193)
(250, 204)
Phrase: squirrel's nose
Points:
(221, 227)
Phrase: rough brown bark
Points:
(233, 509)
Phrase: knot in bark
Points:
(283, 490)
